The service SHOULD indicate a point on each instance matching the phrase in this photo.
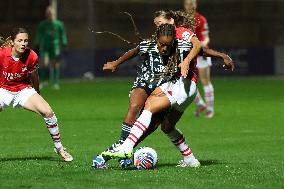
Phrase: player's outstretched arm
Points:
(35, 80)
(192, 54)
(228, 62)
(127, 56)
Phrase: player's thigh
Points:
(138, 97)
(6, 97)
(157, 101)
(171, 120)
(38, 105)
(204, 75)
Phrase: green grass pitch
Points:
(241, 147)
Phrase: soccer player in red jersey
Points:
(19, 84)
(203, 63)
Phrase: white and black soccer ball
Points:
(145, 158)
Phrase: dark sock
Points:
(125, 130)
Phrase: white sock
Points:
(52, 126)
(179, 141)
(198, 99)
(139, 127)
(209, 97)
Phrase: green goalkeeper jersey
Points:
(51, 35)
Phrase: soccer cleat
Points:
(64, 154)
(111, 148)
(209, 114)
(193, 163)
(125, 163)
(115, 145)
(99, 162)
(199, 109)
(118, 154)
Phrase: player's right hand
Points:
(184, 68)
(110, 66)
(228, 63)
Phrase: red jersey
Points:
(201, 28)
(14, 73)
(186, 34)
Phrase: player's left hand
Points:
(228, 63)
(112, 66)
(184, 67)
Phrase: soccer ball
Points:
(145, 158)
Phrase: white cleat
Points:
(209, 114)
(62, 152)
(193, 163)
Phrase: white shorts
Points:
(18, 99)
(203, 62)
(181, 93)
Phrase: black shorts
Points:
(140, 83)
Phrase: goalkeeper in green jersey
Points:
(51, 37)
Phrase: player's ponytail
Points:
(136, 32)
(4, 43)
(185, 19)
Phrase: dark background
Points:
(250, 31)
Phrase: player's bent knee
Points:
(47, 113)
(135, 108)
(51, 120)
(148, 106)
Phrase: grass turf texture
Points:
(241, 147)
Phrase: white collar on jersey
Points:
(16, 59)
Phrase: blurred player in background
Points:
(51, 37)
(19, 84)
(203, 63)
